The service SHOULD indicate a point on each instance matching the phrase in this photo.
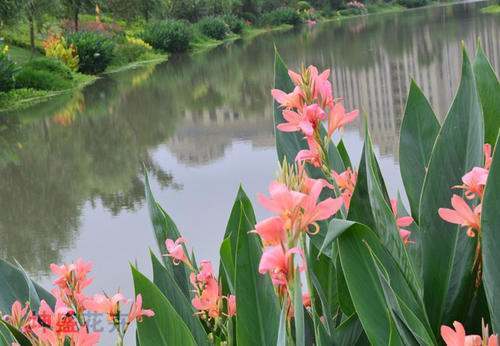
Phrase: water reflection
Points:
(205, 116)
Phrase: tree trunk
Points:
(75, 18)
(32, 33)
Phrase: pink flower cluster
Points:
(208, 299)
(307, 106)
(66, 322)
(473, 185)
(356, 4)
(403, 221)
(457, 336)
(296, 212)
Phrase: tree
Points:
(34, 10)
(8, 11)
(130, 9)
(75, 7)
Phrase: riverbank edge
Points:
(202, 46)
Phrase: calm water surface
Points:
(70, 170)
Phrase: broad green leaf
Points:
(16, 285)
(324, 302)
(164, 280)
(490, 229)
(16, 333)
(335, 228)
(33, 297)
(345, 301)
(344, 154)
(488, 88)
(370, 205)
(300, 336)
(257, 317)
(348, 332)
(165, 228)
(228, 247)
(282, 335)
(411, 328)
(323, 277)
(447, 252)
(226, 270)
(419, 130)
(166, 327)
(6, 337)
(366, 289)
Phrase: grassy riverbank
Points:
(492, 9)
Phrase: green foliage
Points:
(284, 15)
(8, 70)
(95, 51)
(234, 23)
(213, 27)
(302, 6)
(413, 3)
(173, 36)
(44, 74)
(131, 50)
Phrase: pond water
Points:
(71, 180)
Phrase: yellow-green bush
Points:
(57, 48)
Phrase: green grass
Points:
(22, 55)
(492, 9)
(22, 98)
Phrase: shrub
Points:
(95, 51)
(44, 74)
(213, 27)
(8, 70)
(106, 29)
(234, 23)
(270, 5)
(354, 8)
(133, 49)
(56, 47)
(249, 17)
(413, 3)
(284, 15)
(302, 6)
(172, 36)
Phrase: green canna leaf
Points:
(447, 252)
(166, 327)
(164, 227)
(488, 88)
(370, 205)
(490, 227)
(163, 278)
(300, 336)
(344, 154)
(16, 285)
(6, 337)
(419, 130)
(258, 312)
(282, 334)
(357, 246)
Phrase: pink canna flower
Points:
(274, 261)
(462, 214)
(474, 182)
(206, 271)
(103, 304)
(295, 122)
(457, 337)
(288, 101)
(405, 236)
(311, 155)
(487, 156)
(176, 250)
(19, 316)
(346, 181)
(271, 230)
(54, 325)
(338, 117)
(84, 338)
(208, 300)
(136, 311)
(282, 200)
(306, 299)
(231, 305)
(72, 276)
(314, 211)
